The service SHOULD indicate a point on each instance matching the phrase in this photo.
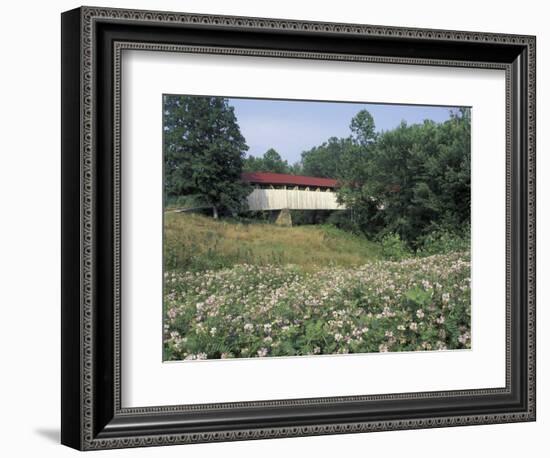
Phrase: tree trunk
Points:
(215, 212)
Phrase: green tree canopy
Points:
(333, 158)
(204, 151)
(414, 179)
(363, 128)
(329, 160)
(271, 161)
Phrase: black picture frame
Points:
(92, 416)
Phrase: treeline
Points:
(412, 182)
(271, 161)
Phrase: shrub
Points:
(393, 248)
(443, 241)
(343, 220)
(305, 217)
(189, 201)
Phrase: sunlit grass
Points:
(195, 242)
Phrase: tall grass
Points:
(194, 243)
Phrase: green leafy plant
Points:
(256, 311)
(393, 248)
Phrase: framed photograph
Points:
(276, 228)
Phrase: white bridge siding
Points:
(278, 199)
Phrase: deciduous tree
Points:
(204, 151)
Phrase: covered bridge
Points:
(278, 191)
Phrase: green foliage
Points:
(203, 151)
(412, 180)
(418, 297)
(271, 161)
(257, 311)
(304, 217)
(187, 201)
(338, 157)
(363, 128)
(343, 219)
(393, 248)
(332, 159)
(443, 241)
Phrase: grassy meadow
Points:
(194, 243)
(389, 271)
(251, 289)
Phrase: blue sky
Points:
(295, 126)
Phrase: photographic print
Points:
(305, 228)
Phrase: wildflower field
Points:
(222, 304)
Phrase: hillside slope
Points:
(194, 242)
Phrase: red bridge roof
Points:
(284, 179)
